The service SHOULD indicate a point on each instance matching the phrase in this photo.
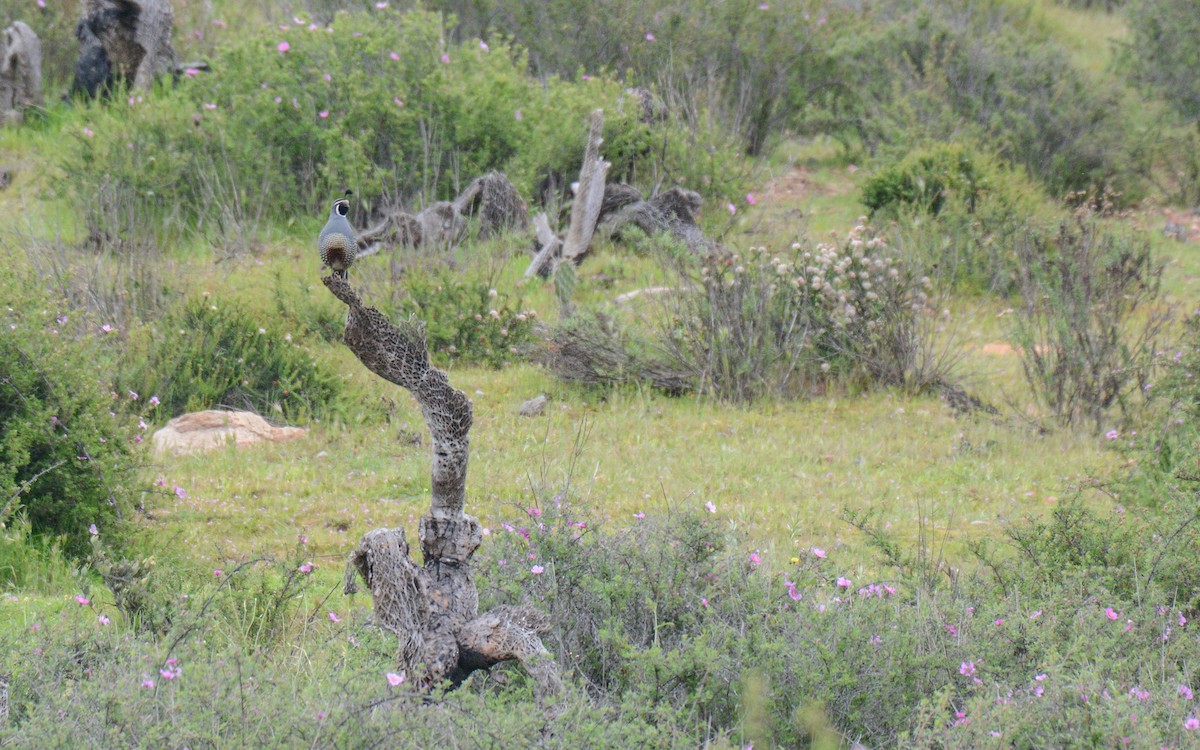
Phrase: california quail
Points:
(338, 243)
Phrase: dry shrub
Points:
(1089, 316)
(772, 324)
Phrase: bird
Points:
(338, 243)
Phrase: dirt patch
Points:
(797, 183)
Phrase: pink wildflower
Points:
(133, 395)
(755, 560)
(103, 620)
(334, 618)
(732, 208)
(93, 530)
(147, 683)
(445, 59)
(154, 401)
(323, 114)
(843, 582)
(394, 679)
(1186, 692)
(967, 669)
(818, 552)
(537, 570)
(283, 47)
(218, 572)
(1192, 724)
(82, 600)
(1110, 613)
(710, 507)
(306, 568)
(751, 198)
(180, 492)
(394, 56)
(639, 516)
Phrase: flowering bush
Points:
(67, 438)
(781, 322)
(378, 102)
(204, 354)
(466, 319)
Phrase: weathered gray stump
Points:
(434, 609)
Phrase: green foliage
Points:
(466, 318)
(756, 69)
(66, 440)
(1167, 449)
(957, 213)
(1089, 319)
(770, 324)
(205, 353)
(1163, 53)
(928, 73)
(926, 179)
(380, 104)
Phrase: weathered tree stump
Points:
(434, 609)
(20, 72)
(123, 41)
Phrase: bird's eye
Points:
(343, 208)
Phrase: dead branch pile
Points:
(444, 224)
(588, 351)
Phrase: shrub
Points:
(204, 354)
(756, 70)
(742, 328)
(1163, 52)
(928, 179)
(372, 107)
(66, 439)
(466, 318)
(957, 213)
(938, 72)
(1088, 319)
(1166, 450)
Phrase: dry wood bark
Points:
(434, 609)
(444, 224)
(585, 209)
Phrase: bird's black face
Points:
(342, 207)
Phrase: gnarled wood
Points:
(434, 609)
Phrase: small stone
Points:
(535, 406)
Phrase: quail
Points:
(338, 243)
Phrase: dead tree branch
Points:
(434, 609)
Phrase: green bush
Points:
(755, 68)
(770, 324)
(926, 73)
(382, 105)
(67, 459)
(925, 179)
(204, 354)
(957, 213)
(466, 318)
(1163, 52)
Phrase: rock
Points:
(203, 431)
(534, 407)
